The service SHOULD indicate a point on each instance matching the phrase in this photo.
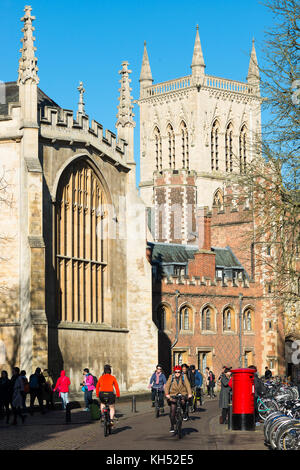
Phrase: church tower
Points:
(199, 125)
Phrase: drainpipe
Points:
(240, 328)
(177, 294)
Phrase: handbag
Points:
(84, 388)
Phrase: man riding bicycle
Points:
(176, 384)
(105, 391)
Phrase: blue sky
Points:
(88, 40)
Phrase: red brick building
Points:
(210, 304)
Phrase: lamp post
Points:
(240, 328)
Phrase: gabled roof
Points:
(171, 253)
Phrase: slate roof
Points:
(11, 95)
(171, 253)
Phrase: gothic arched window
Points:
(228, 148)
(80, 247)
(184, 319)
(184, 145)
(214, 146)
(158, 149)
(228, 319)
(243, 149)
(248, 320)
(207, 319)
(171, 144)
(218, 200)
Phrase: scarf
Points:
(157, 377)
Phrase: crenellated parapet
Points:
(196, 282)
(59, 124)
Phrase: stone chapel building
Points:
(75, 281)
(210, 304)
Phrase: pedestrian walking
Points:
(211, 384)
(224, 398)
(88, 386)
(48, 389)
(157, 383)
(268, 373)
(36, 383)
(4, 395)
(26, 388)
(206, 374)
(17, 396)
(62, 386)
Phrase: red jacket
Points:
(62, 384)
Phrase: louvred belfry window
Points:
(80, 245)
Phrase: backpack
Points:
(26, 385)
(95, 380)
(34, 381)
(191, 378)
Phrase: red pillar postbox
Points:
(243, 416)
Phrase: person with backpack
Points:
(62, 386)
(26, 388)
(88, 387)
(196, 380)
(48, 389)
(177, 383)
(17, 397)
(36, 382)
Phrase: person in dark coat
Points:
(224, 398)
(211, 384)
(5, 388)
(259, 389)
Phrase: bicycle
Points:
(197, 395)
(178, 415)
(156, 403)
(107, 422)
(266, 406)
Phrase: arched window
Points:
(218, 200)
(207, 319)
(184, 145)
(228, 319)
(171, 143)
(214, 147)
(158, 149)
(184, 318)
(80, 245)
(243, 149)
(248, 320)
(228, 148)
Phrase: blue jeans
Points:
(65, 399)
(88, 397)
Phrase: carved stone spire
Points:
(125, 114)
(125, 123)
(81, 102)
(253, 70)
(198, 65)
(27, 63)
(146, 75)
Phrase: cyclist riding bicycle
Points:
(177, 383)
(157, 382)
(105, 391)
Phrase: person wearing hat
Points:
(176, 384)
(224, 398)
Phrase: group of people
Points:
(14, 391)
(184, 381)
(40, 386)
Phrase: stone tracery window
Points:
(184, 145)
(248, 320)
(207, 319)
(218, 200)
(184, 319)
(171, 143)
(228, 320)
(80, 247)
(228, 148)
(243, 149)
(214, 147)
(158, 149)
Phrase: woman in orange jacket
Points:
(105, 391)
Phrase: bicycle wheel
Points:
(274, 425)
(281, 432)
(267, 406)
(275, 429)
(106, 424)
(156, 410)
(290, 438)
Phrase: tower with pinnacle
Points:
(199, 125)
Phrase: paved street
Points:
(133, 431)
